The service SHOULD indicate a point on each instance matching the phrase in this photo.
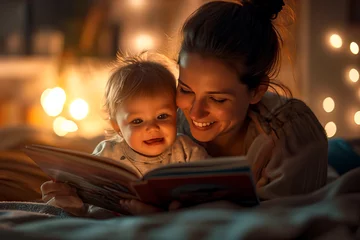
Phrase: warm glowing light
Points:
(330, 129)
(357, 117)
(62, 126)
(328, 104)
(52, 100)
(144, 42)
(79, 109)
(137, 3)
(57, 126)
(69, 126)
(335, 41)
(354, 48)
(354, 75)
(44, 96)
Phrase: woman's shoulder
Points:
(273, 112)
(274, 104)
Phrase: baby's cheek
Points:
(134, 136)
(169, 126)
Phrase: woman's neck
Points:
(230, 144)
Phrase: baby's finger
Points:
(71, 204)
(63, 192)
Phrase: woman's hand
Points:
(136, 207)
(259, 155)
(63, 196)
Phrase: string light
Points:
(335, 41)
(328, 104)
(354, 48)
(330, 129)
(353, 75)
(357, 117)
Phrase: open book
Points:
(103, 181)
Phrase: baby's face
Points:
(148, 124)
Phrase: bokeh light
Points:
(52, 101)
(79, 109)
(328, 104)
(354, 48)
(357, 117)
(353, 75)
(335, 41)
(144, 42)
(62, 126)
(330, 129)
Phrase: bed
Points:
(332, 212)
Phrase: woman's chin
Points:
(203, 135)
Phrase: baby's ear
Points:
(259, 91)
(115, 126)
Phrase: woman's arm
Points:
(298, 161)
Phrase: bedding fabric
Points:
(332, 212)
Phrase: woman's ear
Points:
(115, 126)
(259, 91)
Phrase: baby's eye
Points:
(163, 116)
(136, 121)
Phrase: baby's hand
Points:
(63, 196)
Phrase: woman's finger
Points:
(259, 154)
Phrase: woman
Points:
(228, 55)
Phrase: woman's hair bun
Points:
(268, 8)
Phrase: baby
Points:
(140, 101)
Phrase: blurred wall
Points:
(323, 69)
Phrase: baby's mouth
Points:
(154, 141)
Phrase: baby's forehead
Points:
(142, 102)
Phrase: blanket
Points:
(332, 212)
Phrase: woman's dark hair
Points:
(241, 35)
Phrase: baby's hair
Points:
(146, 74)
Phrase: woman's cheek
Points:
(182, 101)
(223, 113)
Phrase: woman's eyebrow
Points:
(227, 92)
(182, 83)
(222, 92)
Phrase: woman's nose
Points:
(198, 110)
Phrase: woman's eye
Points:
(218, 100)
(136, 121)
(163, 116)
(182, 90)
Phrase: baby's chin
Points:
(153, 150)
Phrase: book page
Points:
(98, 182)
